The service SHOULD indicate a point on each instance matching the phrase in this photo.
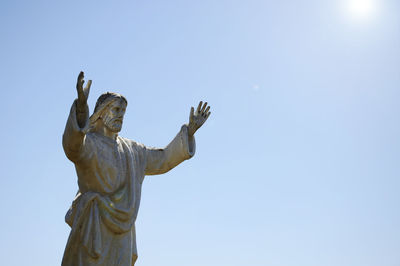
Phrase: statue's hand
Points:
(197, 119)
(83, 93)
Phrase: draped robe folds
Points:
(110, 176)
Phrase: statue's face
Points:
(114, 115)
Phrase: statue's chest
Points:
(110, 164)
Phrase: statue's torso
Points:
(103, 166)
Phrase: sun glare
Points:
(361, 9)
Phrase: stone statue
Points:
(110, 173)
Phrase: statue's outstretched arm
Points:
(159, 161)
(83, 94)
(182, 147)
(77, 123)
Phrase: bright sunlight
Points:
(362, 9)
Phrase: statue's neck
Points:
(103, 130)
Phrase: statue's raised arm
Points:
(83, 94)
(78, 121)
(182, 147)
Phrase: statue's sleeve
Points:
(159, 161)
(74, 136)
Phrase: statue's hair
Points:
(105, 96)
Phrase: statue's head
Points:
(110, 109)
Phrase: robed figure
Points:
(110, 172)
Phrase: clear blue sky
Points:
(298, 165)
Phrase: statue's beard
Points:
(113, 124)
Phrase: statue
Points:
(110, 173)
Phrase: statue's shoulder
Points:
(91, 139)
(133, 144)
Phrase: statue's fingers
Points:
(198, 107)
(89, 83)
(86, 90)
(206, 111)
(208, 114)
(204, 107)
(191, 114)
(81, 75)
(80, 80)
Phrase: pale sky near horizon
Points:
(298, 164)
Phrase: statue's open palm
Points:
(83, 93)
(197, 119)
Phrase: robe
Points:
(110, 176)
